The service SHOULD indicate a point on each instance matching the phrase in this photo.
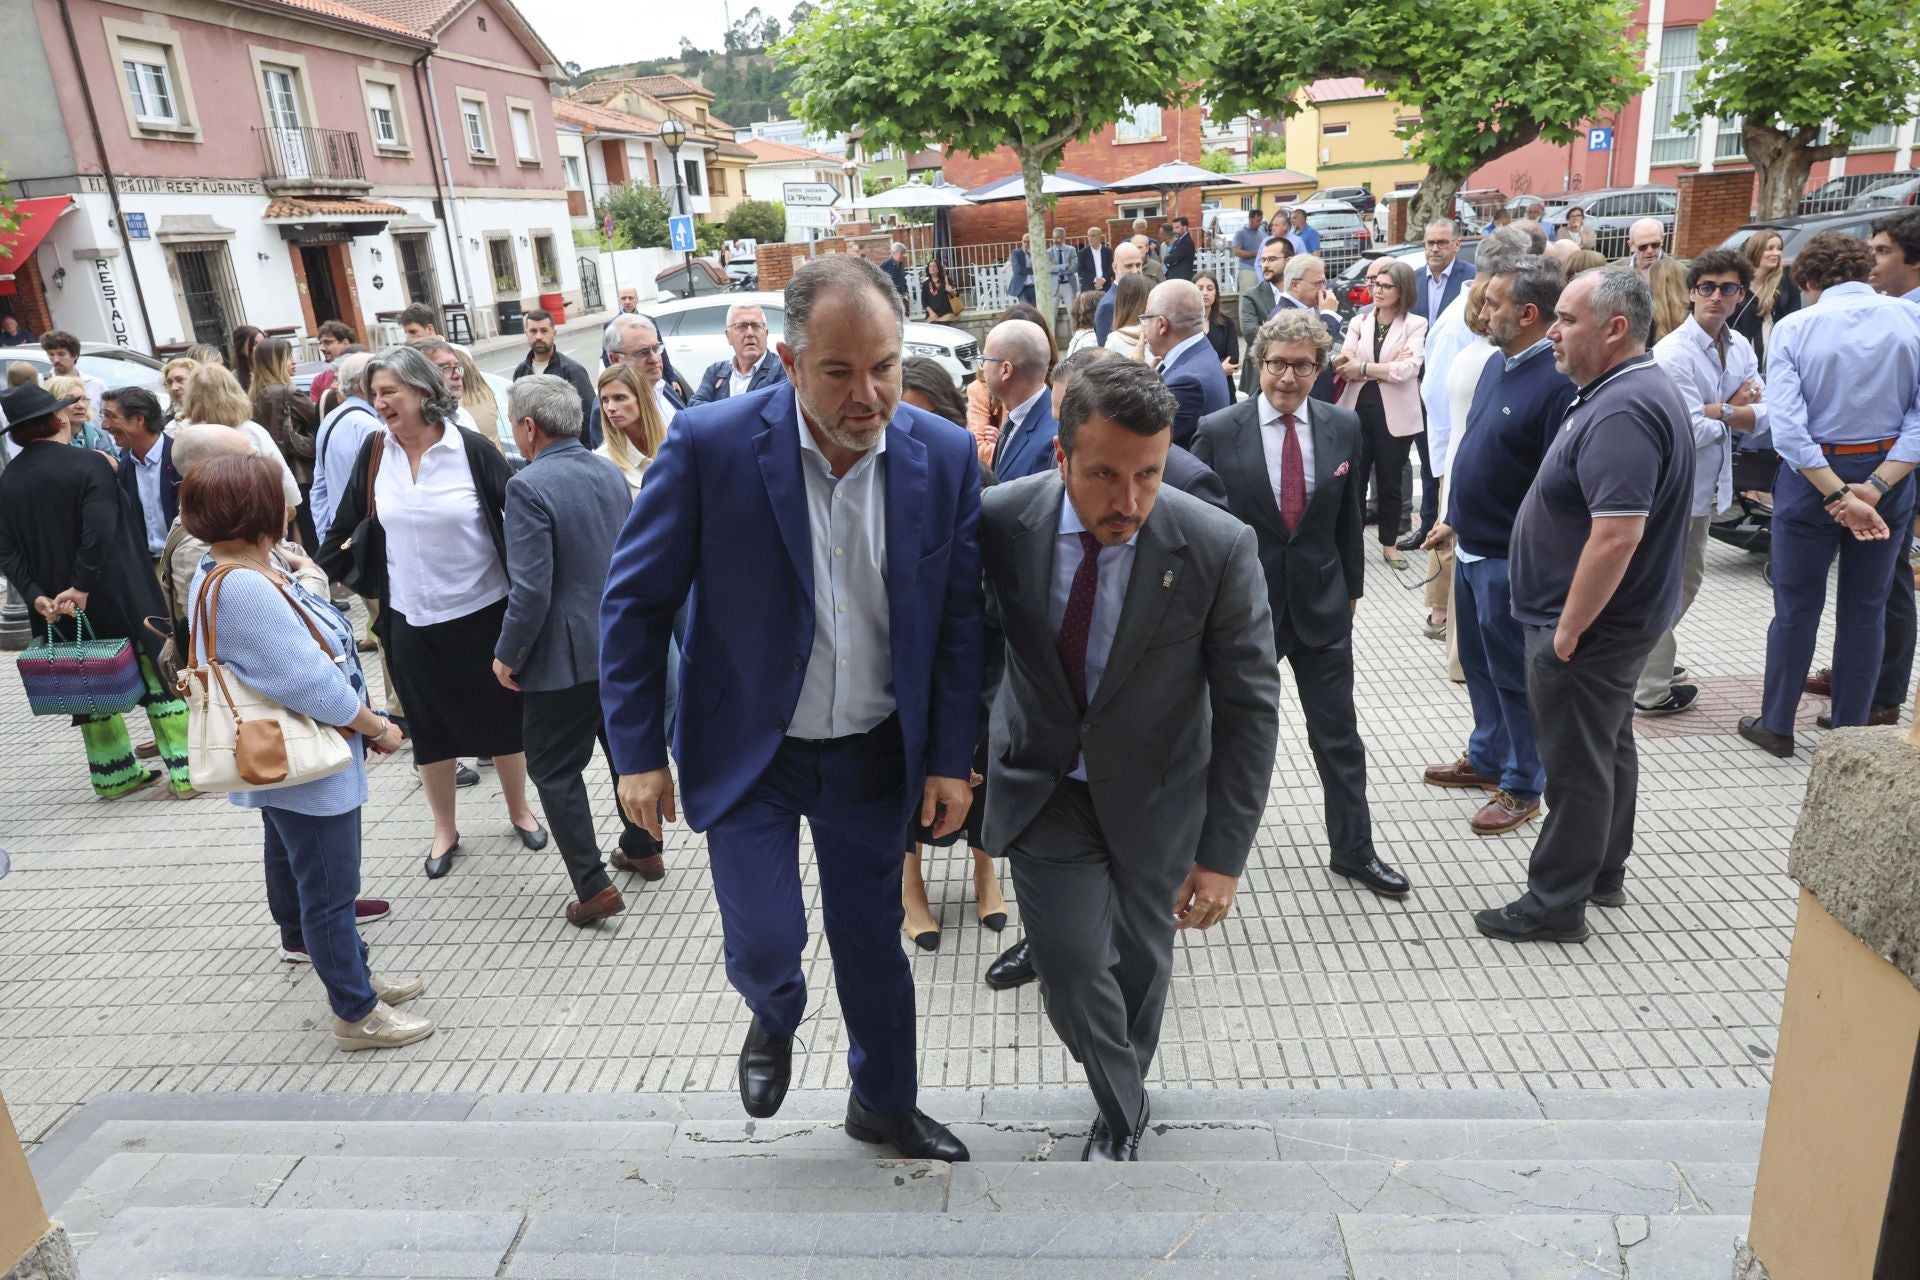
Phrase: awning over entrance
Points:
(333, 218)
(36, 220)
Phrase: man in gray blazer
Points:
(564, 511)
(1134, 727)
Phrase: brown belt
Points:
(1852, 450)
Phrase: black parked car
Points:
(1836, 195)
(1796, 231)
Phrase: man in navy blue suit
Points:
(825, 538)
(1128, 260)
(131, 415)
(1016, 372)
(1174, 327)
(753, 366)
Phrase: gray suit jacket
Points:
(564, 511)
(1181, 734)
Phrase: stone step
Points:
(241, 1244)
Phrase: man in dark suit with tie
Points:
(1015, 360)
(1134, 728)
(1304, 288)
(1257, 303)
(1292, 472)
(1179, 253)
(824, 538)
(1095, 261)
(1174, 327)
(564, 510)
(131, 415)
(753, 366)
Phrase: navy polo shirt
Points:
(1514, 416)
(1625, 449)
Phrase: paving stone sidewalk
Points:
(136, 953)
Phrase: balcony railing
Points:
(303, 155)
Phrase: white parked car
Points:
(695, 333)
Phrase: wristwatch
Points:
(1875, 480)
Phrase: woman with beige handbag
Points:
(278, 717)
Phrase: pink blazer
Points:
(1401, 356)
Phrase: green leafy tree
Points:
(639, 214)
(1217, 162)
(1487, 79)
(1788, 69)
(708, 236)
(760, 220)
(1267, 156)
(976, 75)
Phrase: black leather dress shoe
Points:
(1616, 897)
(1411, 541)
(914, 1135)
(1502, 923)
(1014, 968)
(437, 867)
(1774, 744)
(766, 1065)
(1377, 876)
(535, 839)
(1101, 1146)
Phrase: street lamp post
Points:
(674, 135)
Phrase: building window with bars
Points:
(416, 269)
(546, 262)
(203, 285)
(1679, 62)
(506, 272)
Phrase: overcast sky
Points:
(594, 33)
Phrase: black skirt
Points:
(455, 707)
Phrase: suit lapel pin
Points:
(1166, 579)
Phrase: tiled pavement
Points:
(136, 953)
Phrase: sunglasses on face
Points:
(1728, 289)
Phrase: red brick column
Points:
(1712, 206)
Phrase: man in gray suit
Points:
(1257, 303)
(564, 511)
(1133, 730)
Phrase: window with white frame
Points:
(473, 118)
(546, 261)
(1148, 209)
(149, 83)
(575, 173)
(1730, 144)
(694, 186)
(385, 118)
(1878, 136)
(1679, 61)
(1138, 123)
(1335, 130)
(520, 120)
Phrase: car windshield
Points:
(1333, 219)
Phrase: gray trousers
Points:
(1583, 728)
(1101, 934)
(1656, 678)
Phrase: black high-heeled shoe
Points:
(437, 867)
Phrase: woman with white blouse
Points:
(439, 497)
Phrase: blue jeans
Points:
(1493, 654)
(1805, 542)
(323, 854)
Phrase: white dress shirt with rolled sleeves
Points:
(1708, 372)
(441, 560)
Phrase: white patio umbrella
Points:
(1175, 175)
(1013, 187)
(917, 195)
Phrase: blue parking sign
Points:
(1600, 139)
(680, 233)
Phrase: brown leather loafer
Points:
(651, 867)
(1820, 683)
(1460, 773)
(1879, 715)
(607, 902)
(1503, 813)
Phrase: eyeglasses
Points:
(747, 326)
(994, 360)
(1439, 244)
(1726, 289)
(644, 353)
(1298, 368)
(1381, 282)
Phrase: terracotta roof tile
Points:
(602, 119)
(1341, 89)
(366, 13)
(295, 209)
(765, 152)
(669, 87)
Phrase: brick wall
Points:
(1099, 158)
(1712, 206)
(777, 262)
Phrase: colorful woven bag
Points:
(83, 676)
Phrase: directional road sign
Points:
(809, 215)
(680, 233)
(1600, 138)
(808, 194)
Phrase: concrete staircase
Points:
(1357, 1185)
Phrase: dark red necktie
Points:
(1077, 621)
(1293, 475)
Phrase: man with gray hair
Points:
(1647, 241)
(1174, 327)
(895, 267)
(634, 340)
(1304, 285)
(564, 510)
(1015, 370)
(1596, 554)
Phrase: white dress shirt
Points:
(441, 561)
(1109, 594)
(849, 682)
(667, 409)
(737, 381)
(1016, 418)
(146, 476)
(1273, 440)
(264, 446)
(1705, 373)
(1447, 337)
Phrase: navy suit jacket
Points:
(716, 382)
(1185, 472)
(1103, 316)
(1462, 273)
(169, 484)
(1199, 386)
(1032, 447)
(1179, 256)
(721, 525)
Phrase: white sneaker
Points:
(384, 1028)
(394, 992)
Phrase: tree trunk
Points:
(1032, 176)
(1783, 161)
(1435, 201)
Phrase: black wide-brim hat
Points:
(28, 402)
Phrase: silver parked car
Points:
(695, 333)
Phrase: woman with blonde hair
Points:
(476, 397)
(85, 433)
(290, 419)
(1668, 280)
(1583, 260)
(629, 421)
(174, 375)
(20, 373)
(1129, 301)
(1772, 296)
(206, 353)
(214, 396)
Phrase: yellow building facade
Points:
(1346, 134)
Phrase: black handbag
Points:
(360, 562)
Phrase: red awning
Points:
(36, 218)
